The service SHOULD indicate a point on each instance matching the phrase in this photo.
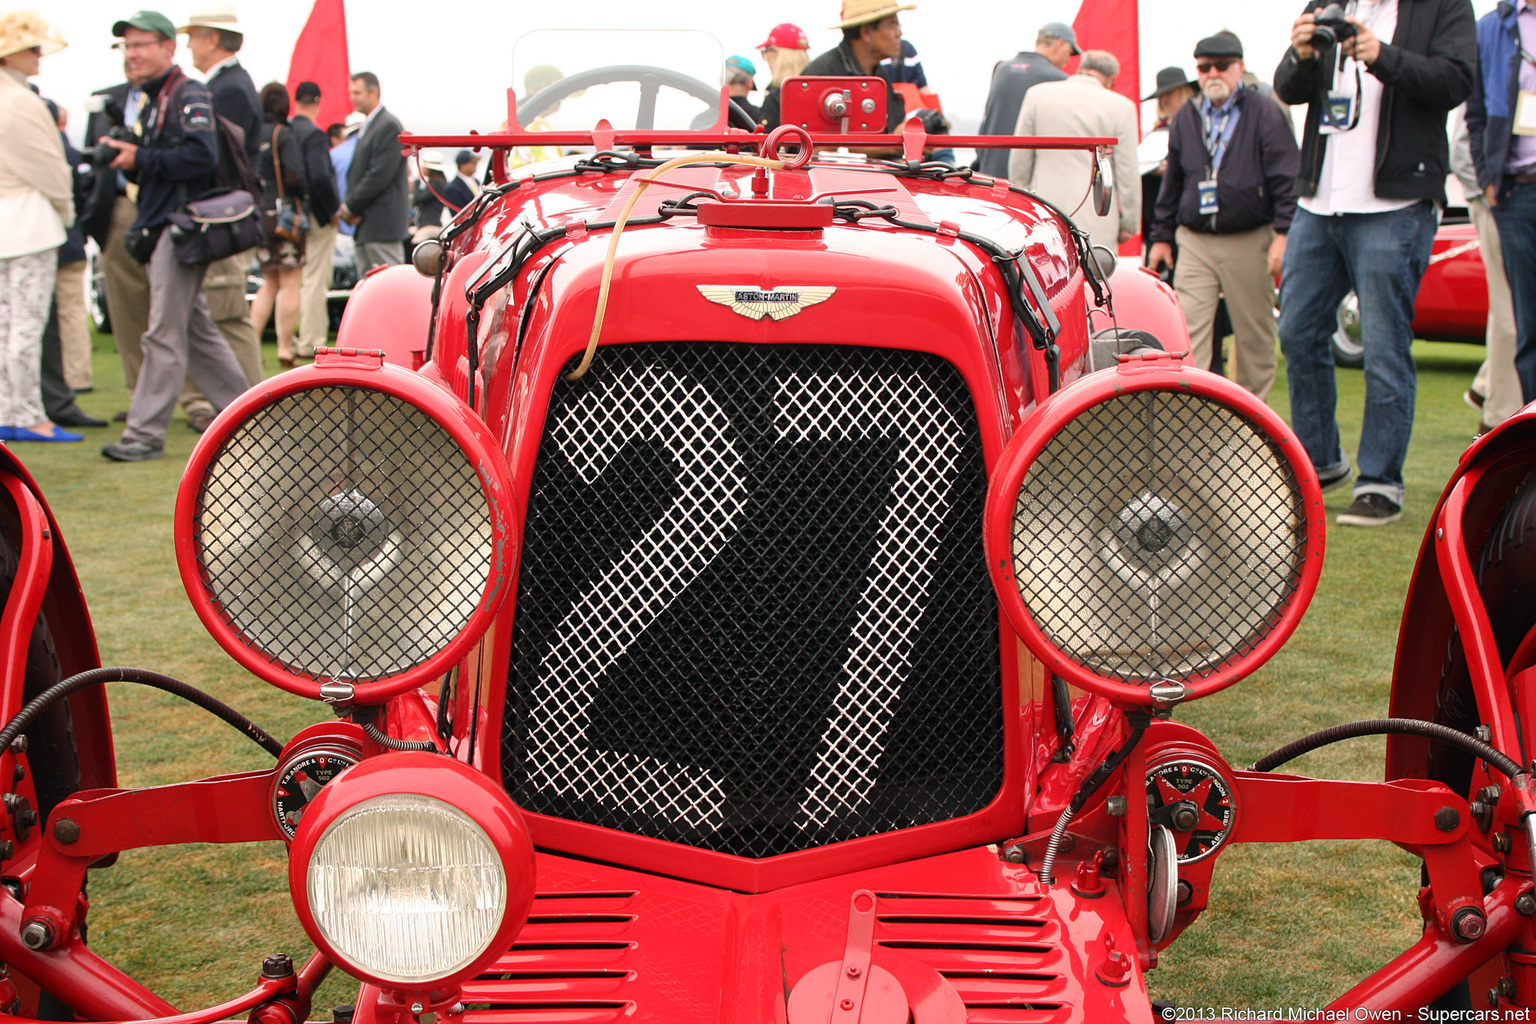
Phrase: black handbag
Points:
(216, 224)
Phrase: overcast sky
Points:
(445, 66)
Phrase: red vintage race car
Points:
(1452, 303)
(738, 583)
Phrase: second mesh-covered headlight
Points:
(407, 889)
(346, 528)
(1154, 532)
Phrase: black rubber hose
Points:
(390, 743)
(143, 677)
(1393, 726)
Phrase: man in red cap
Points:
(871, 34)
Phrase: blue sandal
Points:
(58, 433)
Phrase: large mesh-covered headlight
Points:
(408, 889)
(345, 526)
(1155, 533)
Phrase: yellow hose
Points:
(618, 229)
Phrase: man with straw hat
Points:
(871, 33)
(214, 39)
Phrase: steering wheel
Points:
(651, 80)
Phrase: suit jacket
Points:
(323, 200)
(458, 194)
(377, 189)
(235, 97)
(1080, 106)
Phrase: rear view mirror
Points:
(1103, 182)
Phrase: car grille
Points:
(753, 613)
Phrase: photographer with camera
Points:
(171, 162)
(1374, 159)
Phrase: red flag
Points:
(320, 56)
(1111, 25)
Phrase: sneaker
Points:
(199, 419)
(1333, 481)
(1371, 510)
(1474, 398)
(133, 451)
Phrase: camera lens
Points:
(1323, 37)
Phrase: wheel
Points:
(96, 294)
(1347, 349)
(651, 80)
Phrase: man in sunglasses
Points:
(1374, 159)
(1227, 200)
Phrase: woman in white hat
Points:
(36, 207)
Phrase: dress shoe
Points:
(75, 416)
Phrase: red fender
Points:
(1144, 303)
(390, 309)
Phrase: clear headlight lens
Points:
(406, 888)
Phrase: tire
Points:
(96, 295)
(1348, 352)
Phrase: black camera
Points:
(99, 154)
(1331, 28)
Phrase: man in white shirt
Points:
(1371, 183)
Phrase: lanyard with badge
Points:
(1218, 125)
(1341, 112)
(1525, 106)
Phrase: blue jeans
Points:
(1382, 256)
(1516, 217)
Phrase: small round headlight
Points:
(408, 890)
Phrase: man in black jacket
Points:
(175, 156)
(1374, 159)
(1226, 199)
(214, 39)
(320, 243)
(1055, 44)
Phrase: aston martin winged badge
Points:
(756, 303)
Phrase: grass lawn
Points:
(1287, 924)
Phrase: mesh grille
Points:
(753, 613)
(343, 534)
(1159, 535)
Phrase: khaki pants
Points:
(74, 334)
(1496, 377)
(224, 286)
(127, 292)
(1235, 267)
(314, 316)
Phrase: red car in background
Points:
(1453, 297)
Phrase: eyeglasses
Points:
(138, 47)
(1205, 67)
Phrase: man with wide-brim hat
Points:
(214, 39)
(871, 33)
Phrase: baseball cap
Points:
(463, 157)
(306, 92)
(145, 21)
(1061, 30)
(786, 37)
(738, 61)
